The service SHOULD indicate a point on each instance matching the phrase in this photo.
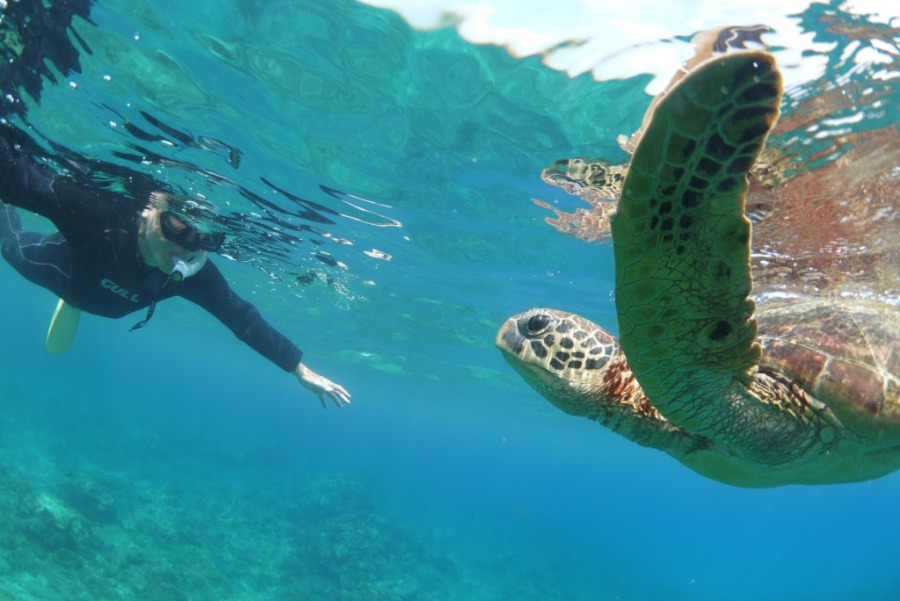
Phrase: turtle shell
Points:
(844, 353)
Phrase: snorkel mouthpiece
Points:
(178, 271)
(185, 269)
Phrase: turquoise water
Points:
(173, 463)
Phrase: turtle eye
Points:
(537, 323)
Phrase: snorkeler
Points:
(110, 261)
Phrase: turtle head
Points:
(564, 356)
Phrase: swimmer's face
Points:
(155, 248)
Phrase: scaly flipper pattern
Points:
(682, 243)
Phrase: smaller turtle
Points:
(599, 182)
(808, 394)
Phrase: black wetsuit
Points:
(93, 262)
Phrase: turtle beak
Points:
(508, 339)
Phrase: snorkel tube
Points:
(185, 269)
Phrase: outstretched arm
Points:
(209, 289)
(322, 387)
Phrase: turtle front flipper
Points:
(682, 249)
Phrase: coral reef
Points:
(89, 537)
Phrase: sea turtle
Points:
(802, 390)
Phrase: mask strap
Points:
(150, 310)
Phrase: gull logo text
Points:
(116, 289)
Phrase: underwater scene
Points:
(394, 180)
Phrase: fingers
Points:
(322, 387)
(338, 395)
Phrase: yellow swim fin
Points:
(63, 328)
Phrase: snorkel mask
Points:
(181, 227)
(187, 236)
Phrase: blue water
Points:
(174, 463)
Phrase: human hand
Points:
(322, 386)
